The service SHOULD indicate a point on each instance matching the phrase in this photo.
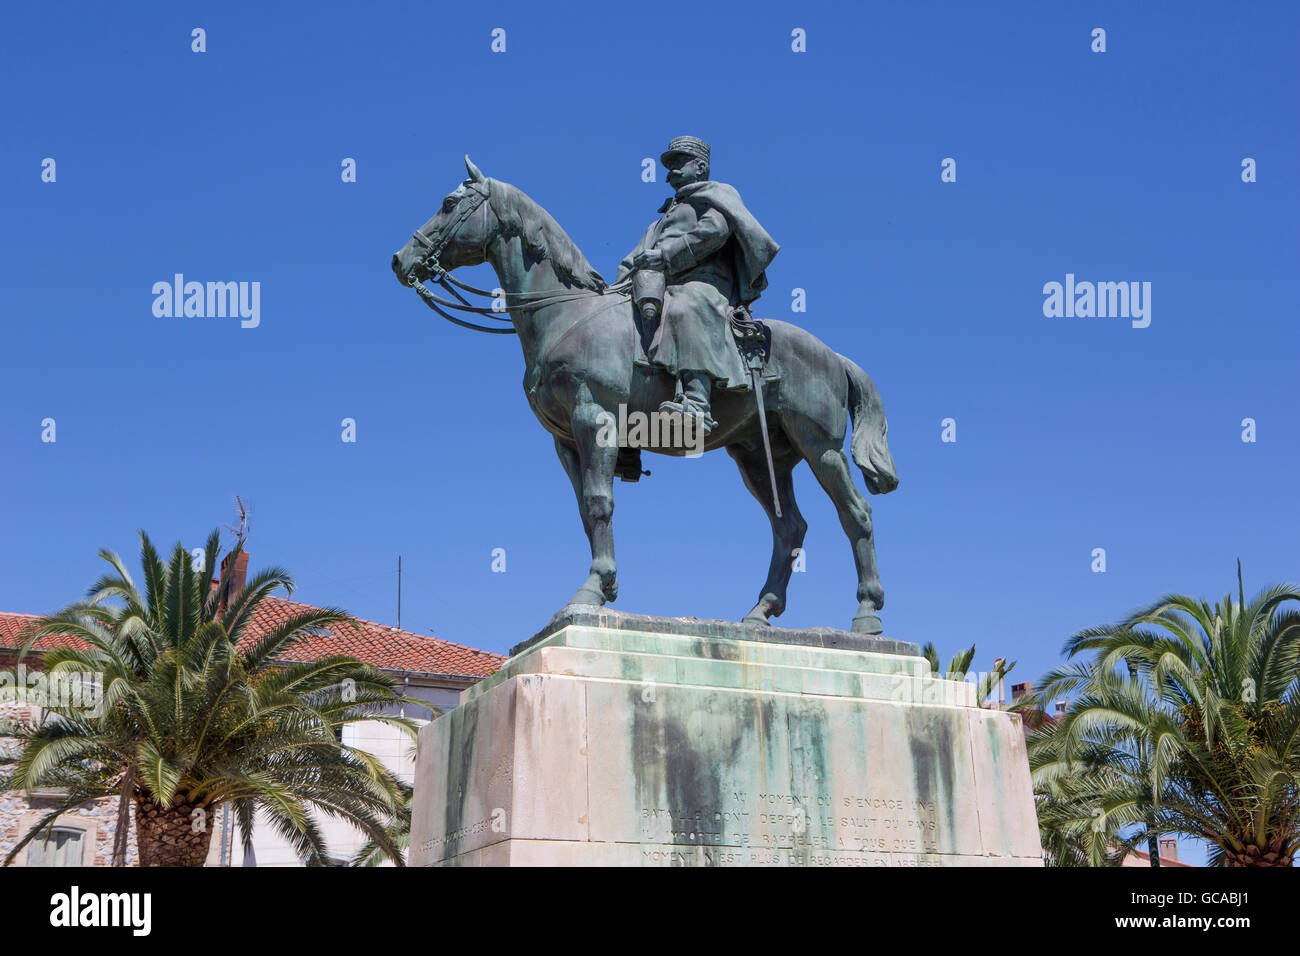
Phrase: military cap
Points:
(686, 146)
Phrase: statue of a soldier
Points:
(711, 255)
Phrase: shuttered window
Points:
(62, 848)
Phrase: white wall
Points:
(397, 752)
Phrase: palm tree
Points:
(197, 712)
(960, 667)
(399, 832)
(1188, 721)
(1092, 767)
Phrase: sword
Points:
(751, 340)
(756, 376)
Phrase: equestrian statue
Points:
(672, 335)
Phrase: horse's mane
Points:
(542, 235)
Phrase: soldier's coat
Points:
(716, 254)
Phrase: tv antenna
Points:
(245, 512)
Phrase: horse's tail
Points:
(870, 431)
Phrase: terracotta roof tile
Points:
(384, 647)
(12, 627)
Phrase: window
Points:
(61, 848)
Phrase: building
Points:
(1168, 855)
(429, 669)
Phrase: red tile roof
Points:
(385, 647)
(12, 627)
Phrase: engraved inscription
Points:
(459, 834)
(810, 828)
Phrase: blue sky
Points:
(1072, 434)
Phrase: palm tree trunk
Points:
(1276, 853)
(178, 835)
(1153, 848)
(121, 834)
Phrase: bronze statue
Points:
(586, 361)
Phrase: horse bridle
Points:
(429, 262)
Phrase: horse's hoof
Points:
(588, 595)
(756, 618)
(867, 624)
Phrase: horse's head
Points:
(456, 236)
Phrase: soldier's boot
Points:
(694, 400)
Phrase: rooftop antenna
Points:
(399, 592)
(245, 515)
(241, 535)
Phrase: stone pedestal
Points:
(618, 739)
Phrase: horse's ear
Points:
(475, 174)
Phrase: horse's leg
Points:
(787, 531)
(593, 482)
(831, 466)
(573, 468)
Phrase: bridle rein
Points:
(522, 301)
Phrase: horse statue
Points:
(581, 344)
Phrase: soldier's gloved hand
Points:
(649, 259)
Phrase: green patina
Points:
(674, 772)
(462, 738)
(931, 738)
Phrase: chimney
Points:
(1169, 848)
(238, 574)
